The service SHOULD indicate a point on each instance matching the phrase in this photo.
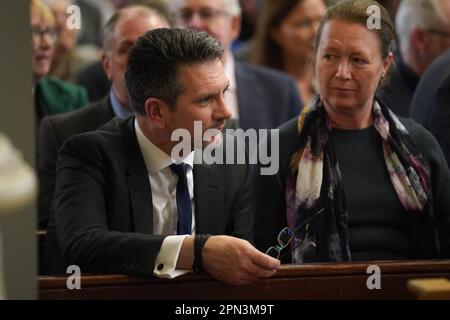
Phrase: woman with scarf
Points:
(356, 182)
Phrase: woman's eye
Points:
(358, 61)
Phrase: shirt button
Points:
(160, 266)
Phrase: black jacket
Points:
(53, 132)
(102, 219)
(430, 105)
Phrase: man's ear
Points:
(419, 41)
(387, 63)
(155, 110)
(106, 65)
(235, 27)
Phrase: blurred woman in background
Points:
(285, 40)
(69, 58)
(52, 95)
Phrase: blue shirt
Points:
(119, 110)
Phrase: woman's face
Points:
(295, 35)
(42, 43)
(349, 66)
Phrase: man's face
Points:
(438, 39)
(433, 40)
(202, 99)
(125, 34)
(209, 16)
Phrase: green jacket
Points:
(58, 96)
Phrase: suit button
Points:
(160, 266)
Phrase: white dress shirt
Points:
(231, 96)
(163, 183)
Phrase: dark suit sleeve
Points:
(440, 175)
(269, 201)
(81, 217)
(270, 215)
(241, 209)
(439, 120)
(440, 178)
(47, 153)
(270, 195)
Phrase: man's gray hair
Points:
(232, 7)
(51, 2)
(130, 11)
(412, 14)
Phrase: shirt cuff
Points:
(166, 260)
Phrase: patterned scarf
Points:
(314, 188)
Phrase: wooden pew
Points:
(308, 281)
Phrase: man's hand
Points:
(236, 261)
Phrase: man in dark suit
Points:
(124, 205)
(121, 31)
(423, 29)
(431, 102)
(259, 98)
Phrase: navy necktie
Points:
(184, 206)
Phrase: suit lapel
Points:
(247, 93)
(138, 181)
(208, 206)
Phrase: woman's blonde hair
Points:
(355, 11)
(43, 11)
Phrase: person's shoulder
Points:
(421, 137)
(98, 109)
(415, 129)
(108, 136)
(81, 113)
(435, 77)
(289, 128)
(78, 120)
(286, 134)
(61, 96)
(264, 72)
(439, 66)
(95, 147)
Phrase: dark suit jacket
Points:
(102, 213)
(54, 130)
(267, 98)
(431, 102)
